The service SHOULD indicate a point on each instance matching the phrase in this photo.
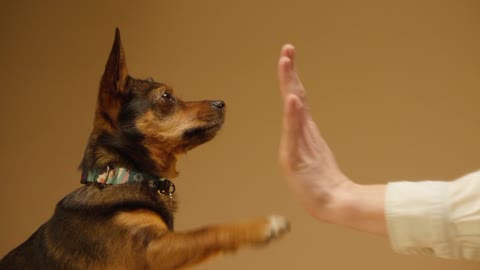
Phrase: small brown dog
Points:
(123, 217)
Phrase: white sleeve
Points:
(435, 217)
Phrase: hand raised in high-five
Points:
(309, 164)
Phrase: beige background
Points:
(395, 88)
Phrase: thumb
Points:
(292, 129)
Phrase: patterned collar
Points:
(116, 176)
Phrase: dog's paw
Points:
(276, 227)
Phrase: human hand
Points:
(306, 159)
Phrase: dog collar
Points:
(116, 176)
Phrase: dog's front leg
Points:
(179, 250)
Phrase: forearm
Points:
(359, 207)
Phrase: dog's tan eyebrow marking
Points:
(157, 92)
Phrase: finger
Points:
(283, 75)
(301, 135)
(286, 67)
(311, 136)
(305, 129)
(288, 50)
(288, 77)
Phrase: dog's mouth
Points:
(201, 134)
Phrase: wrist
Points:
(335, 205)
(359, 207)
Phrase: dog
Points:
(122, 218)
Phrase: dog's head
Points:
(142, 125)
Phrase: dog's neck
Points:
(106, 149)
(116, 176)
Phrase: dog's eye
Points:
(168, 97)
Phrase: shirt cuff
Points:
(416, 217)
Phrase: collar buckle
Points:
(165, 187)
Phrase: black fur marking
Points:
(126, 143)
(108, 119)
(198, 133)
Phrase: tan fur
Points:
(181, 250)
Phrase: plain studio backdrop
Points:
(394, 87)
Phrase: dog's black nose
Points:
(218, 104)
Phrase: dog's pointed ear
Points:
(116, 73)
